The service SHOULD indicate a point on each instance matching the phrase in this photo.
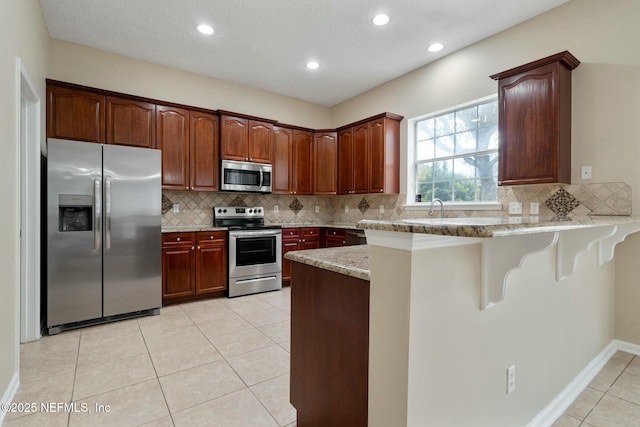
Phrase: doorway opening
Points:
(29, 206)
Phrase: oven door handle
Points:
(254, 233)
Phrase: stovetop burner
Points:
(240, 217)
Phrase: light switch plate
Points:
(276, 209)
(381, 209)
(317, 209)
(585, 172)
(176, 208)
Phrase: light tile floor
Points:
(612, 399)
(221, 362)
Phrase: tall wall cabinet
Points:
(534, 110)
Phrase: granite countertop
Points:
(493, 227)
(190, 228)
(348, 260)
(326, 225)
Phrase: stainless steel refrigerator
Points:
(104, 258)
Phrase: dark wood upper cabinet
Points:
(534, 121)
(345, 161)
(131, 122)
(75, 114)
(173, 139)
(384, 159)
(325, 163)
(302, 162)
(282, 160)
(361, 158)
(234, 137)
(369, 156)
(260, 143)
(245, 139)
(203, 151)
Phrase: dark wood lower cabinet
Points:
(329, 347)
(194, 266)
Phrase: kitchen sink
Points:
(457, 221)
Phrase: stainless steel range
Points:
(255, 250)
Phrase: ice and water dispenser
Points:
(75, 212)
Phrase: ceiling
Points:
(265, 44)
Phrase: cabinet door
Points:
(131, 122)
(528, 154)
(177, 271)
(203, 156)
(291, 244)
(361, 158)
(211, 263)
(234, 137)
(75, 114)
(282, 160)
(325, 163)
(260, 142)
(173, 139)
(345, 161)
(302, 162)
(377, 160)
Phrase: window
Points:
(456, 154)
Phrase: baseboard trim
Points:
(10, 393)
(565, 398)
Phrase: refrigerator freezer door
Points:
(132, 234)
(74, 266)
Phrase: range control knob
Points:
(250, 211)
(224, 211)
(258, 210)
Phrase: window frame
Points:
(411, 204)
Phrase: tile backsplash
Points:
(196, 208)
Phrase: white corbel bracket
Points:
(606, 246)
(572, 242)
(501, 255)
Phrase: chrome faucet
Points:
(433, 202)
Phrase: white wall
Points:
(22, 34)
(90, 67)
(454, 365)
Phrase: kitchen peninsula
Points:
(435, 311)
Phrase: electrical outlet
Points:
(176, 208)
(317, 209)
(515, 208)
(346, 209)
(381, 209)
(585, 172)
(276, 209)
(534, 208)
(511, 379)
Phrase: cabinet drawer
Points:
(310, 233)
(290, 232)
(335, 232)
(211, 237)
(178, 239)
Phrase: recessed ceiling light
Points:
(435, 47)
(312, 65)
(381, 19)
(205, 29)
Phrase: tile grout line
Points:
(156, 372)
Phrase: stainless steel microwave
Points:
(245, 176)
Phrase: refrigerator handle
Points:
(107, 212)
(97, 197)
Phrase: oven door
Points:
(254, 252)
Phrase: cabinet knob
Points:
(211, 237)
(193, 248)
(303, 240)
(198, 247)
(177, 239)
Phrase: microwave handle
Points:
(261, 178)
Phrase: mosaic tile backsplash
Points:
(196, 208)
